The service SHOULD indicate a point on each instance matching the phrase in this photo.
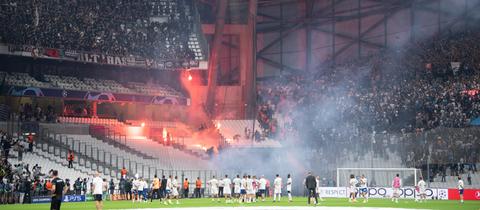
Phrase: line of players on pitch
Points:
(421, 188)
(248, 188)
(242, 190)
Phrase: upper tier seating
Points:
(87, 84)
(153, 89)
(23, 79)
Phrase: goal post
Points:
(379, 177)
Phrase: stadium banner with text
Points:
(41, 199)
(384, 192)
(94, 95)
(88, 57)
(74, 198)
(66, 198)
(468, 194)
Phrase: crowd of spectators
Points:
(422, 86)
(150, 29)
(29, 112)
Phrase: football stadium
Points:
(239, 104)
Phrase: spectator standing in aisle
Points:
(30, 140)
(469, 178)
(70, 158)
(20, 149)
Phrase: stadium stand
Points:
(48, 161)
(161, 29)
(153, 89)
(23, 79)
(416, 103)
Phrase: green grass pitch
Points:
(298, 201)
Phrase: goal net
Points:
(379, 177)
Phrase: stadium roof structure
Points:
(346, 28)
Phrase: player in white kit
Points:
(277, 192)
(352, 188)
(243, 191)
(422, 188)
(262, 189)
(174, 189)
(364, 188)
(214, 189)
(227, 189)
(249, 189)
(136, 184)
(255, 184)
(236, 188)
(461, 187)
(289, 187)
(168, 190)
(319, 195)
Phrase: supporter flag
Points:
(455, 67)
(428, 66)
(71, 54)
(140, 62)
(34, 52)
(51, 53)
(475, 122)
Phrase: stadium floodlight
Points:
(379, 177)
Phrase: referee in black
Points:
(311, 184)
(58, 189)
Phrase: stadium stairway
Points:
(143, 156)
(110, 131)
(234, 133)
(178, 160)
(451, 181)
(4, 112)
(57, 146)
(49, 161)
(195, 150)
(109, 136)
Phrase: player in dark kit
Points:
(58, 189)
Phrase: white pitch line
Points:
(275, 208)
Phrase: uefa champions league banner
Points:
(94, 95)
(384, 192)
(66, 198)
